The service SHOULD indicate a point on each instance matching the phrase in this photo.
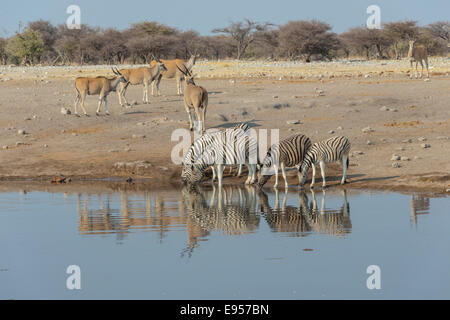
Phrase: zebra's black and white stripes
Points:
(287, 153)
(229, 147)
(331, 150)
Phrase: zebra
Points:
(244, 126)
(331, 150)
(234, 145)
(287, 153)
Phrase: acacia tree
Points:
(243, 34)
(188, 42)
(307, 38)
(363, 40)
(440, 30)
(400, 31)
(217, 46)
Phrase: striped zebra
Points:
(331, 150)
(287, 153)
(229, 147)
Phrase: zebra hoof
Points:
(107, 113)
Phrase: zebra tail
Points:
(348, 162)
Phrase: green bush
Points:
(26, 47)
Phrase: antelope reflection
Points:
(306, 218)
(147, 213)
(419, 205)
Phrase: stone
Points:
(370, 143)
(396, 165)
(65, 111)
(21, 132)
(384, 108)
(331, 131)
(395, 157)
(422, 139)
(405, 159)
(425, 145)
(367, 130)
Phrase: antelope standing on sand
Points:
(417, 53)
(195, 97)
(99, 85)
(173, 72)
(143, 75)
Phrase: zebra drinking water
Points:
(331, 150)
(229, 147)
(287, 153)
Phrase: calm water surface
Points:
(232, 243)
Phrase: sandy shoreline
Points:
(407, 118)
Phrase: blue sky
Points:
(205, 15)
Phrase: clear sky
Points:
(205, 15)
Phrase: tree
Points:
(188, 42)
(26, 47)
(70, 45)
(440, 30)
(3, 55)
(362, 40)
(217, 46)
(400, 31)
(307, 38)
(152, 28)
(48, 34)
(243, 34)
(114, 49)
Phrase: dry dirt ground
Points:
(324, 99)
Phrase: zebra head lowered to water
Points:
(287, 153)
(331, 150)
(229, 147)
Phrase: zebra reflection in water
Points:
(230, 210)
(306, 217)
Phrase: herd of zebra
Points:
(238, 146)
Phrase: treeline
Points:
(42, 43)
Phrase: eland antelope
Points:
(143, 75)
(173, 71)
(195, 97)
(99, 85)
(417, 53)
